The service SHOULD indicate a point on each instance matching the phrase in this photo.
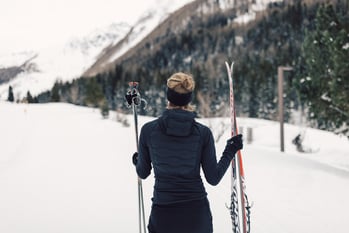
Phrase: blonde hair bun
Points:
(181, 83)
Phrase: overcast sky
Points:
(34, 24)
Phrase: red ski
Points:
(239, 206)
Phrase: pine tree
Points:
(10, 94)
(104, 108)
(30, 99)
(325, 61)
(94, 93)
(55, 96)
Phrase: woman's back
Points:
(175, 143)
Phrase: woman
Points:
(176, 146)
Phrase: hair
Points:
(183, 84)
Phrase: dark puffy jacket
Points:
(175, 145)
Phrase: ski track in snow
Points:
(65, 169)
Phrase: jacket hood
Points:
(177, 122)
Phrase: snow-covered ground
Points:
(64, 169)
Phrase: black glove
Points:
(135, 158)
(233, 145)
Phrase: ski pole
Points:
(135, 99)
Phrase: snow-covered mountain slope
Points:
(153, 26)
(88, 55)
(147, 22)
(64, 168)
(64, 62)
(69, 60)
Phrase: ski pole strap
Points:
(132, 96)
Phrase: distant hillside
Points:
(175, 24)
(198, 39)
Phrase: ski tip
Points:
(227, 63)
(230, 67)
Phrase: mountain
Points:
(70, 60)
(199, 37)
(37, 71)
(174, 24)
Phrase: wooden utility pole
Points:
(281, 70)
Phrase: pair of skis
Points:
(239, 206)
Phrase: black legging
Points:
(186, 217)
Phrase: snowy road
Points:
(63, 169)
